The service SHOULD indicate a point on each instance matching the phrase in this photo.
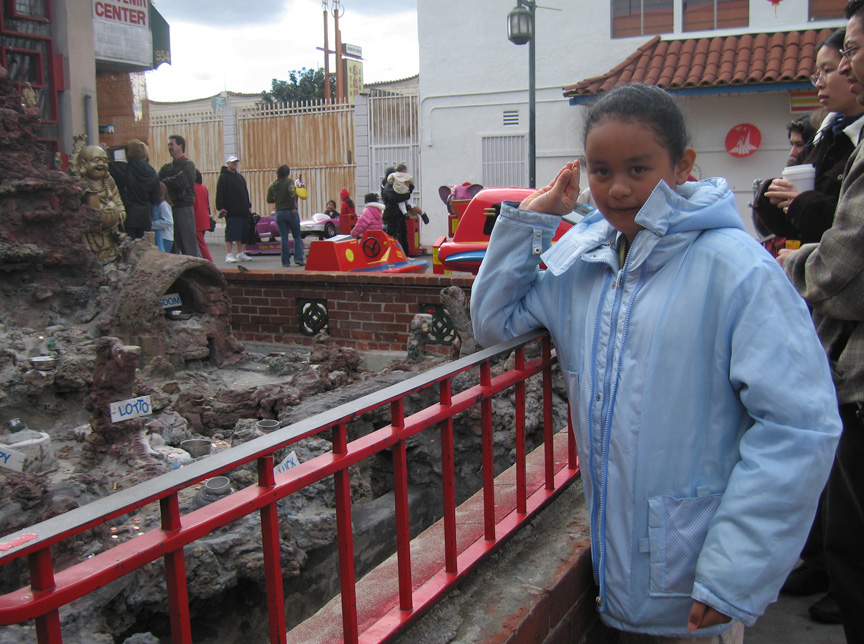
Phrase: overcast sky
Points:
(241, 45)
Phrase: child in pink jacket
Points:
(370, 218)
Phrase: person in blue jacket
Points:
(704, 412)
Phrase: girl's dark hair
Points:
(198, 177)
(644, 104)
(283, 171)
(834, 41)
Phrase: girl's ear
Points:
(685, 166)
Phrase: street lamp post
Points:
(520, 30)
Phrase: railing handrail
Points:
(122, 502)
(50, 590)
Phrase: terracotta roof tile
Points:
(748, 59)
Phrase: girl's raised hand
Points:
(559, 197)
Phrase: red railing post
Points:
(345, 538)
(403, 523)
(547, 413)
(448, 481)
(175, 575)
(42, 579)
(488, 453)
(272, 551)
(521, 480)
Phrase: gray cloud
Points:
(221, 13)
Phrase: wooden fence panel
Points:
(314, 139)
(203, 134)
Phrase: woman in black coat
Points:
(138, 185)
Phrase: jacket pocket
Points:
(676, 532)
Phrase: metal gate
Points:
(394, 135)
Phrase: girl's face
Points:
(331, 205)
(832, 87)
(625, 162)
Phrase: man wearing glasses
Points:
(830, 276)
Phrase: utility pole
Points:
(340, 71)
(326, 6)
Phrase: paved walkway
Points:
(787, 622)
(216, 244)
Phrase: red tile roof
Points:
(746, 59)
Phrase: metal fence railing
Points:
(49, 590)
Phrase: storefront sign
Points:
(121, 32)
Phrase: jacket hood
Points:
(374, 204)
(667, 214)
(344, 194)
(140, 169)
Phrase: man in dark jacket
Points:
(232, 202)
(138, 185)
(179, 177)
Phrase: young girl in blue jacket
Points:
(704, 412)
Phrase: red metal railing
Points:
(48, 591)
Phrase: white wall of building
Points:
(470, 74)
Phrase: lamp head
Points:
(520, 25)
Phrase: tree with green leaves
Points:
(302, 85)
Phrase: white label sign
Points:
(287, 463)
(12, 460)
(169, 300)
(132, 408)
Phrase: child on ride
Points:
(705, 416)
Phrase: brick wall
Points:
(116, 92)
(369, 311)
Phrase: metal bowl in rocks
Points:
(197, 446)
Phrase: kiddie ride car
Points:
(375, 251)
(270, 243)
(471, 224)
(320, 226)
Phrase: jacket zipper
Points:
(610, 390)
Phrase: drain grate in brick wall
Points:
(314, 316)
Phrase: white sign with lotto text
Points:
(132, 408)
(287, 463)
(12, 460)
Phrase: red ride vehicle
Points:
(467, 247)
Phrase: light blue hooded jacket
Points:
(703, 406)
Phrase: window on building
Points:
(28, 8)
(505, 160)
(641, 17)
(824, 9)
(715, 14)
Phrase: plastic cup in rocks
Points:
(802, 177)
(267, 425)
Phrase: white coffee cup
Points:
(802, 177)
